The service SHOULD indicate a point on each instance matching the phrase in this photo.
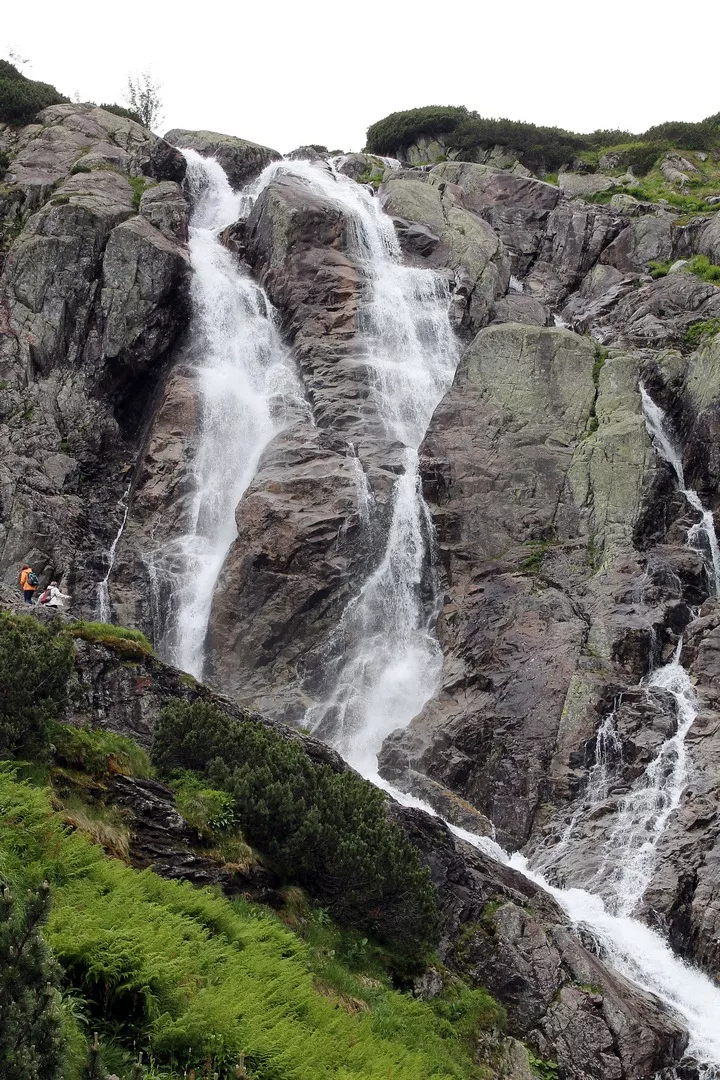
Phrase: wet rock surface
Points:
(242, 160)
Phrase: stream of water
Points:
(103, 606)
(701, 535)
(389, 663)
(248, 392)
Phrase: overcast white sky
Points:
(321, 71)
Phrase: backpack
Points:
(45, 597)
(33, 579)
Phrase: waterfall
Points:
(701, 536)
(645, 811)
(103, 609)
(384, 660)
(247, 390)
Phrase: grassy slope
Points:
(189, 976)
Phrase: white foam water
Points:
(644, 812)
(701, 536)
(247, 390)
(384, 660)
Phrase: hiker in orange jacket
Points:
(28, 583)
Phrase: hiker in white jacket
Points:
(55, 598)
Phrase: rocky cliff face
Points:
(93, 299)
(565, 575)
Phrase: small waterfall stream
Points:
(103, 606)
(701, 536)
(390, 661)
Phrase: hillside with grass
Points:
(111, 970)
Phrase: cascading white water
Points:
(247, 391)
(644, 812)
(103, 608)
(701, 536)
(392, 660)
(386, 661)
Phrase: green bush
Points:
(700, 331)
(35, 668)
(701, 266)
(207, 810)
(699, 136)
(638, 156)
(127, 642)
(21, 98)
(31, 1043)
(659, 268)
(195, 981)
(325, 830)
(97, 753)
(543, 149)
(539, 148)
(401, 129)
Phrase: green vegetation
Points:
(538, 548)
(659, 268)
(129, 643)
(701, 331)
(97, 753)
(138, 184)
(546, 1070)
(701, 266)
(601, 355)
(185, 979)
(326, 831)
(542, 149)
(638, 156)
(35, 667)
(31, 1043)
(207, 810)
(21, 98)
(401, 129)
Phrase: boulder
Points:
(242, 160)
(516, 207)
(645, 240)
(584, 183)
(709, 240)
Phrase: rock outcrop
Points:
(242, 160)
(94, 296)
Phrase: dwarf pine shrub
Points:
(35, 667)
(31, 1043)
(325, 830)
(21, 98)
